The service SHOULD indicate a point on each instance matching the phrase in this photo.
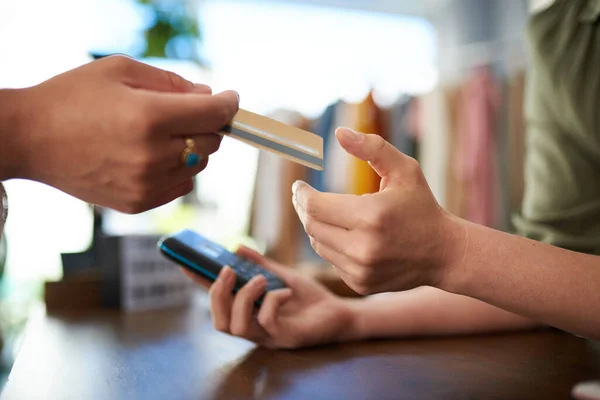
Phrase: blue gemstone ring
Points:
(189, 158)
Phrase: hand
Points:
(304, 314)
(393, 240)
(112, 133)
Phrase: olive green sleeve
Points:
(561, 203)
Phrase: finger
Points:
(202, 89)
(331, 208)
(180, 114)
(242, 313)
(269, 310)
(383, 157)
(221, 299)
(197, 279)
(285, 273)
(333, 236)
(206, 144)
(140, 75)
(343, 264)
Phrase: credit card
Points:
(264, 133)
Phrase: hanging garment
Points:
(323, 127)
(455, 191)
(367, 119)
(477, 163)
(400, 131)
(274, 220)
(336, 175)
(516, 142)
(433, 151)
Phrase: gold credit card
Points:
(284, 140)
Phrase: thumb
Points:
(384, 158)
(281, 271)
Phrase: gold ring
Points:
(189, 158)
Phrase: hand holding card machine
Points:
(206, 258)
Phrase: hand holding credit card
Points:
(284, 140)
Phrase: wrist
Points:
(452, 261)
(12, 130)
(352, 328)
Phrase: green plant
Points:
(174, 31)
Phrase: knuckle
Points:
(213, 294)
(363, 290)
(141, 170)
(358, 288)
(144, 161)
(362, 277)
(413, 166)
(378, 142)
(188, 187)
(134, 207)
(380, 217)
(366, 256)
(119, 62)
(293, 342)
(265, 320)
(239, 329)
(173, 80)
(138, 198)
(138, 123)
(176, 81)
(209, 144)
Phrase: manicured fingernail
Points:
(295, 187)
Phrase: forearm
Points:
(542, 282)
(428, 311)
(12, 120)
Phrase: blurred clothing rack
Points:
(511, 53)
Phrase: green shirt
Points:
(562, 168)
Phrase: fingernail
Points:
(353, 135)
(295, 187)
(238, 95)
